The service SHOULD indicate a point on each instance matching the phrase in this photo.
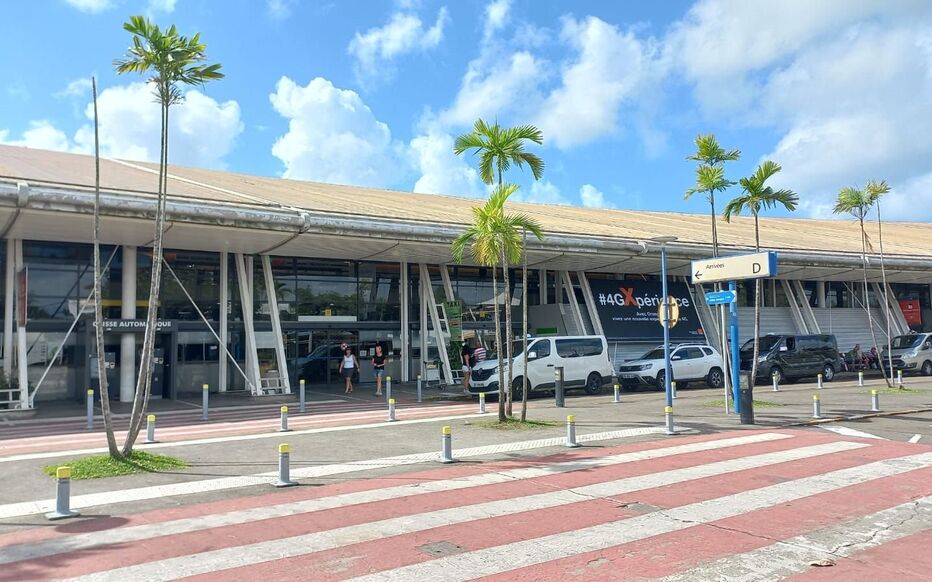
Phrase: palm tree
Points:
(756, 196)
(494, 238)
(98, 304)
(858, 203)
(877, 190)
(171, 60)
(498, 149)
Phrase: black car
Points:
(791, 357)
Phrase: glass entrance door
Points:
(315, 354)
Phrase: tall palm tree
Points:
(757, 196)
(498, 149)
(876, 191)
(98, 303)
(857, 203)
(494, 239)
(171, 60)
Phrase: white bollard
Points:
(668, 417)
(284, 423)
(875, 401)
(820, 381)
(482, 403)
(446, 445)
(90, 410)
(62, 495)
(150, 429)
(899, 378)
(388, 387)
(816, 406)
(776, 383)
(419, 385)
(861, 379)
(617, 398)
(571, 431)
(284, 467)
(391, 410)
(673, 389)
(205, 394)
(302, 408)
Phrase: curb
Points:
(818, 421)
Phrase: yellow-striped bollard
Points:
(816, 406)
(150, 429)
(391, 410)
(284, 420)
(284, 467)
(571, 431)
(62, 495)
(668, 419)
(446, 445)
(875, 401)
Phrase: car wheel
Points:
(594, 383)
(517, 391)
(661, 380)
(927, 368)
(778, 372)
(715, 379)
(828, 373)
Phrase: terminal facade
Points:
(267, 278)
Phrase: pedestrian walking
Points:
(378, 364)
(348, 368)
(466, 357)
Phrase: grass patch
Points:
(757, 404)
(903, 391)
(100, 466)
(515, 424)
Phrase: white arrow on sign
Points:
(753, 266)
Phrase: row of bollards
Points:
(817, 403)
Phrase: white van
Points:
(912, 353)
(584, 359)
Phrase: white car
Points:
(584, 360)
(688, 362)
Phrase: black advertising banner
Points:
(630, 310)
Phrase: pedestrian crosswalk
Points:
(758, 505)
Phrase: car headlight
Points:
(912, 354)
(643, 367)
(761, 359)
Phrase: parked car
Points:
(911, 353)
(584, 360)
(688, 363)
(791, 357)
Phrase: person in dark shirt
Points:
(378, 364)
(466, 359)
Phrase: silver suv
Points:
(912, 353)
(688, 362)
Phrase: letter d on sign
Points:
(756, 268)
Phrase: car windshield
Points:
(902, 342)
(766, 344)
(655, 354)
(517, 348)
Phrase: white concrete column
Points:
(245, 293)
(272, 297)
(9, 300)
(820, 294)
(423, 297)
(128, 340)
(405, 339)
(223, 359)
(21, 361)
(543, 287)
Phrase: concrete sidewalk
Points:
(699, 410)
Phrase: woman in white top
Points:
(348, 367)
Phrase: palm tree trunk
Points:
(867, 306)
(498, 347)
(886, 298)
(524, 384)
(98, 306)
(144, 382)
(509, 334)
(757, 292)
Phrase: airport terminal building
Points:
(276, 274)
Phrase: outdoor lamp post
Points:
(665, 312)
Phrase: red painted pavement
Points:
(904, 560)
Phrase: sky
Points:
(373, 92)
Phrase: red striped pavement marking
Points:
(681, 550)
(183, 544)
(902, 560)
(278, 496)
(406, 549)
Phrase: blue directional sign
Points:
(720, 297)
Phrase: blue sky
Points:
(372, 93)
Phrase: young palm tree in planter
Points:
(757, 196)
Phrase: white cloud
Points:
(78, 88)
(488, 91)
(333, 136)
(496, 16)
(611, 66)
(441, 171)
(40, 135)
(167, 6)
(541, 192)
(202, 131)
(404, 33)
(279, 9)
(92, 6)
(592, 197)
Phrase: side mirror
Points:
(676, 358)
(531, 356)
(927, 346)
